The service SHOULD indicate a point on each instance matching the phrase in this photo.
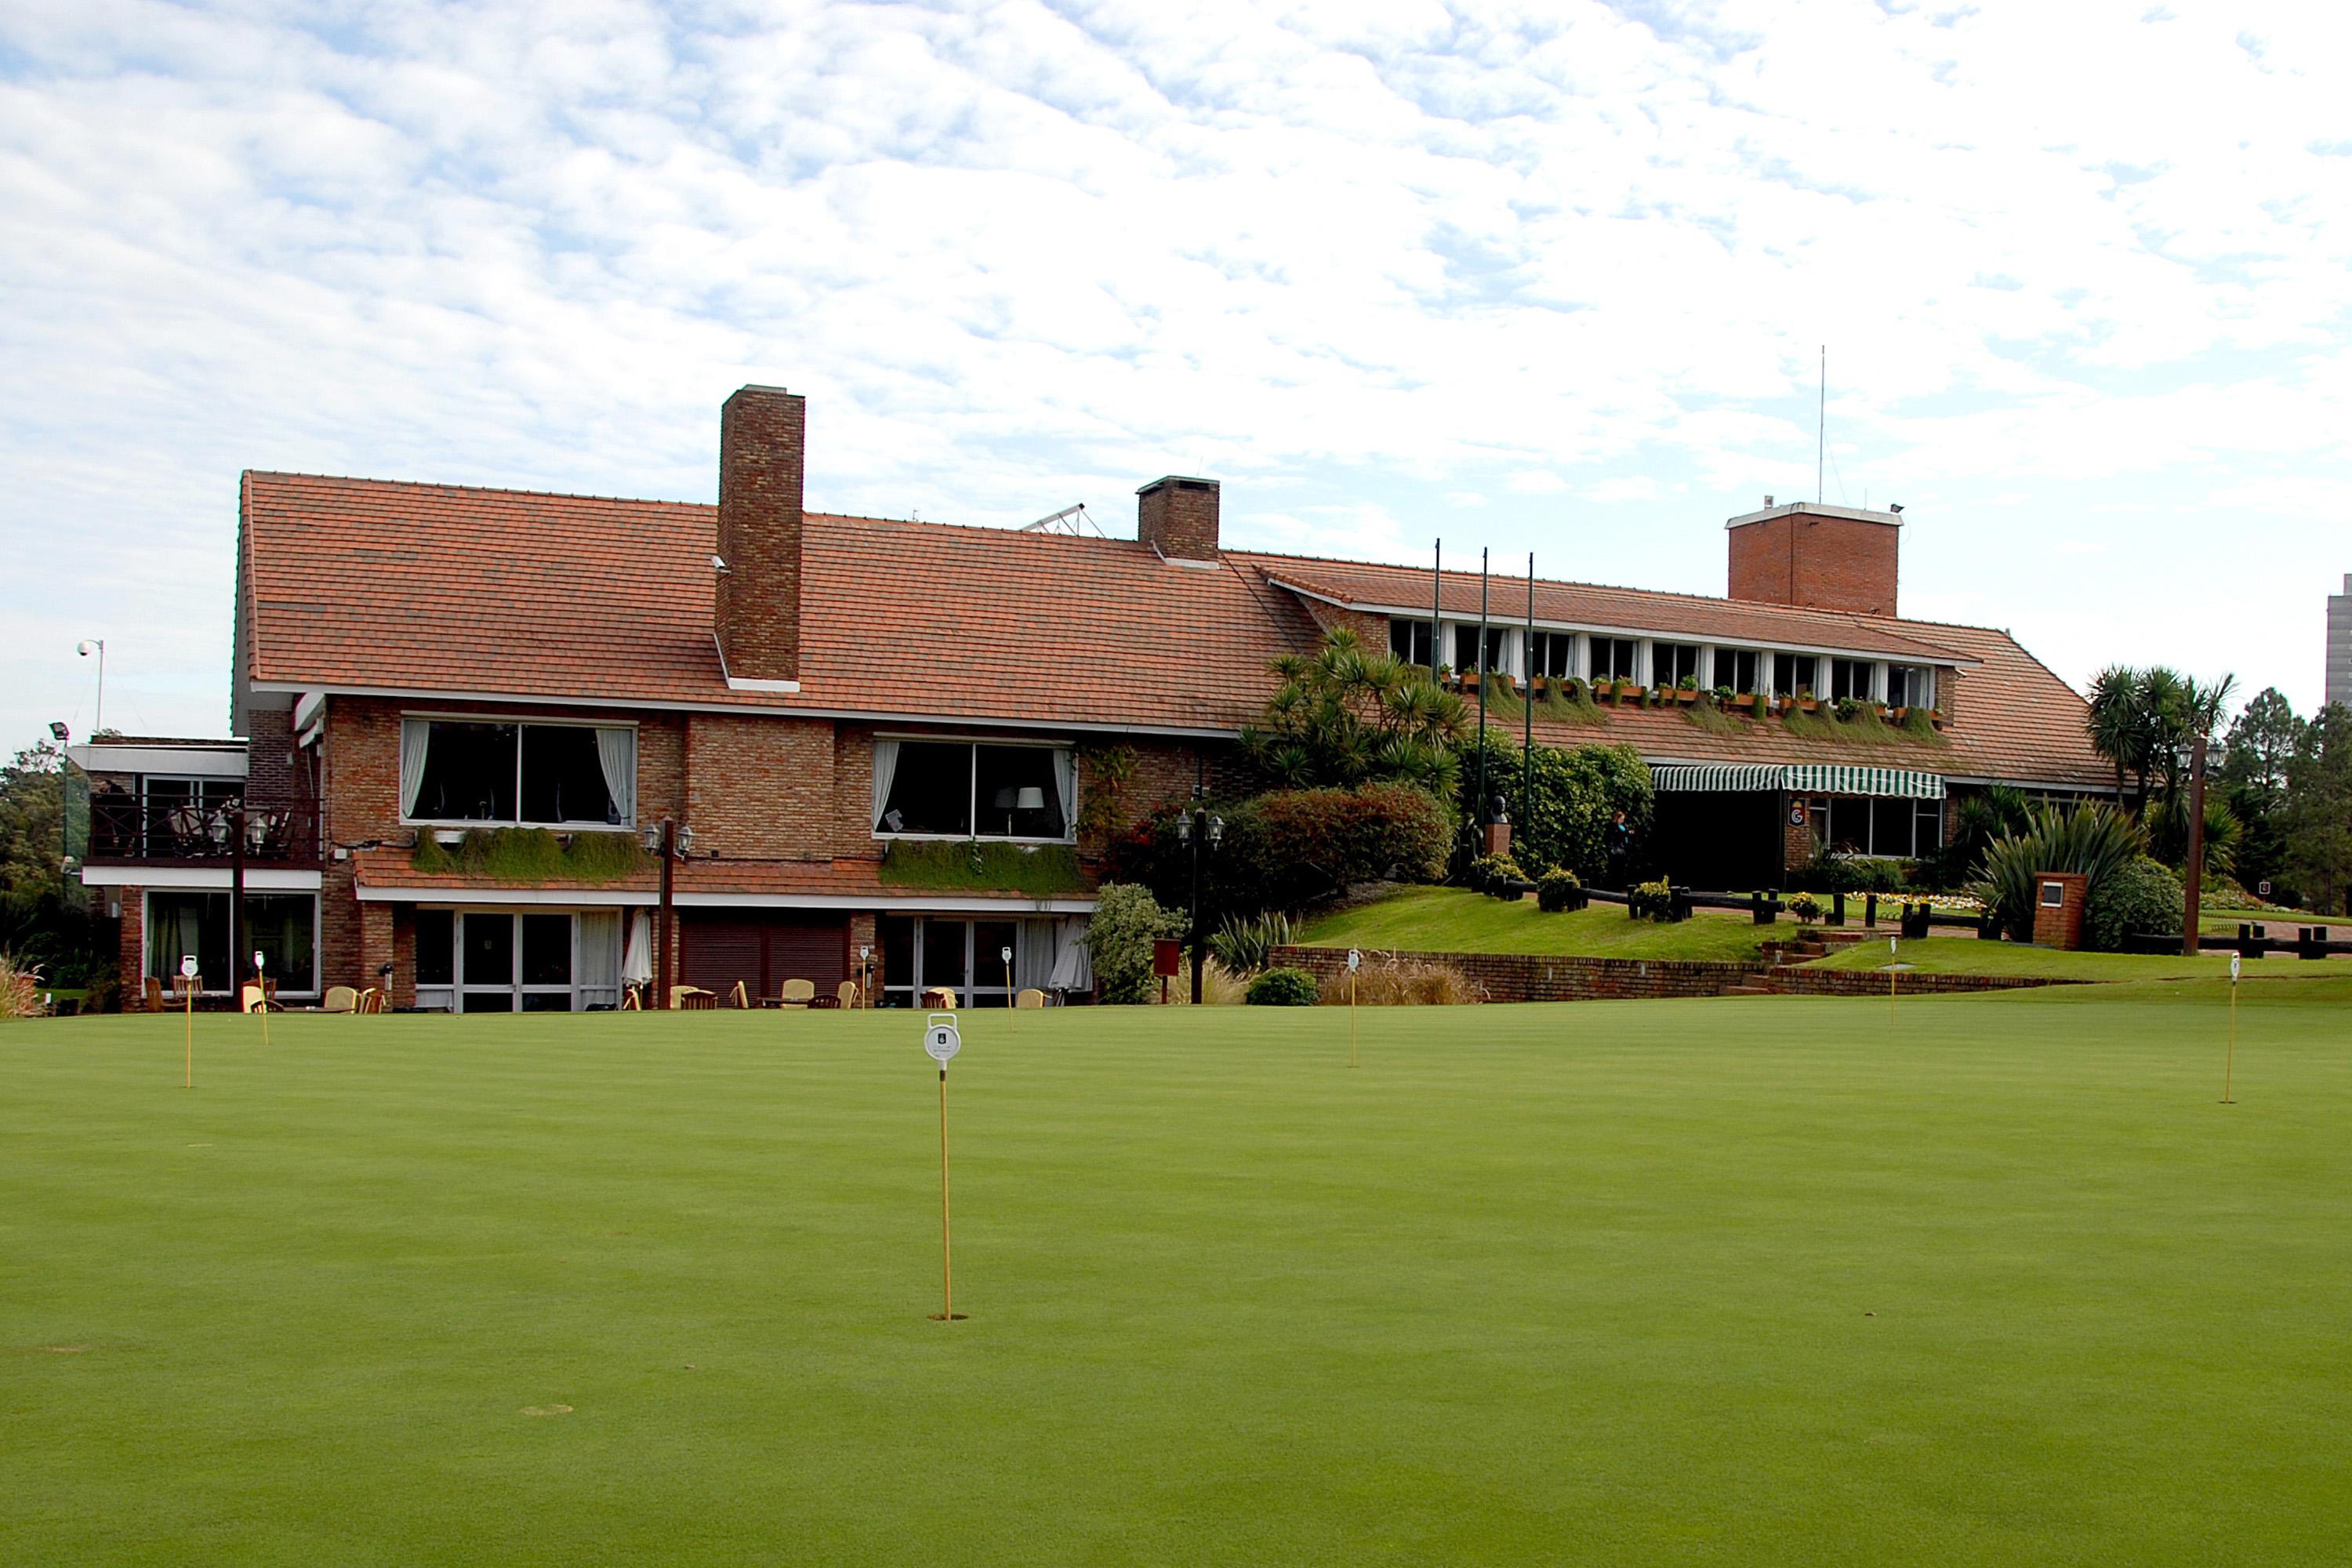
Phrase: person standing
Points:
(1617, 842)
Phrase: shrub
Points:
(2094, 838)
(1242, 944)
(1220, 987)
(1576, 791)
(1283, 988)
(1040, 870)
(1498, 875)
(1557, 890)
(1650, 900)
(1126, 921)
(1389, 981)
(1346, 714)
(1286, 849)
(1832, 873)
(20, 988)
(2142, 897)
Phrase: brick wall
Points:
(1830, 562)
(272, 775)
(1180, 517)
(1370, 630)
(761, 788)
(1519, 977)
(762, 440)
(130, 950)
(1797, 841)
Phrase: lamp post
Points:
(2196, 888)
(1202, 830)
(60, 734)
(86, 647)
(673, 842)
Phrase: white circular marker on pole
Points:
(188, 966)
(188, 974)
(2230, 1062)
(1355, 960)
(942, 1041)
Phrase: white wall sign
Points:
(940, 1040)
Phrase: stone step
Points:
(1758, 987)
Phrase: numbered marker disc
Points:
(941, 1040)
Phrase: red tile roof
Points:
(375, 585)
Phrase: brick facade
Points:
(762, 446)
(1178, 517)
(1823, 561)
(763, 789)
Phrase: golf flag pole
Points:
(188, 975)
(261, 1001)
(1355, 962)
(941, 1040)
(1010, 999)
(2230, 1062)
(1893, 976)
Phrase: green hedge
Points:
(531, 854)
(1039, 870)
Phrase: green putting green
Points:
(1664, 1282)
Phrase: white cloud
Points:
(1339, 255)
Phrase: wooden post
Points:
(2195, 880)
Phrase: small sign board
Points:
(1355, 960)
(2264, 888)
(941, 1039)
(188, 965)
(1166, 957)
(1796, 814)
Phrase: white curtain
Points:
(415, 735)
(617, 754)
(1073, 966)
(600, 957)
(886, 774)
(637, 963)
(1033, 958)
(1065, 783)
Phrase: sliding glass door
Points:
(504, 961)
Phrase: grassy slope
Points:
(1448, 920)
(1671, 1283)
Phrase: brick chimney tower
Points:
(1178, 517)
(1816, 556)
(761, 432)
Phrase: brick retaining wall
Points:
(1525, 977)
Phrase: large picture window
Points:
(281, 927)
(1552, 653)
(964, 789)
(1891, 825)
(546, 774)
(1793, 673)
(1615, 658)
(1674, 664)
(1409, 640)
(1850, 677)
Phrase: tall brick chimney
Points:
(1178, 517)
(761, 432)
(1823, 557)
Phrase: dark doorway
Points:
(762, 949)
(1717, 843)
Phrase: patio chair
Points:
(370, 1001)
(253, 997)
(939, 996)
(798, 993)
(1029, 997)
(182, 987)
(629, 1002)
(338, 999)
(845, 994)
(741, 997)
(695, 999)
(154, 994)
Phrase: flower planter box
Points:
(1686, 694)
(1628, 692)
(1897, 715)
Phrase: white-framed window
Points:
(1465, 646)
(518, 961)
(1793, 673)
(1738, 669)
(1851, 678)
(1552, 653)
(927, 787)
(282, 927)
(1910, 686)
(1892, 825)
(1674, 664)
(1409, 640)
(535, 772)
(1616, 658)
(966, 956)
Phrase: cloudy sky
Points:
(1549, 277)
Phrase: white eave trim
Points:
(744, 711)
(199, 878)
(1505, 621)
(604, 898)
(225, 761)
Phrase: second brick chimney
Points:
(1825, 557)
(761, 432)
(1178, 517)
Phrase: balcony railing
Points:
(128, 830)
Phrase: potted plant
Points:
(1845, 708)
(1686, 694)
(1723, 697)
(1806, 700)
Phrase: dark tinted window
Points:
(469, 773)
(931, 792)
(435, 964)
(1018, 795)
(562, 781)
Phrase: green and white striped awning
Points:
(1798, 778)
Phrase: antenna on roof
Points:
(1071, 520)
(1821, 427)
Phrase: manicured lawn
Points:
(1960, 952)
(1716, 1282)
(1448, 920)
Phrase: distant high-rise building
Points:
(2339, 645)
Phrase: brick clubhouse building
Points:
(850, 735)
